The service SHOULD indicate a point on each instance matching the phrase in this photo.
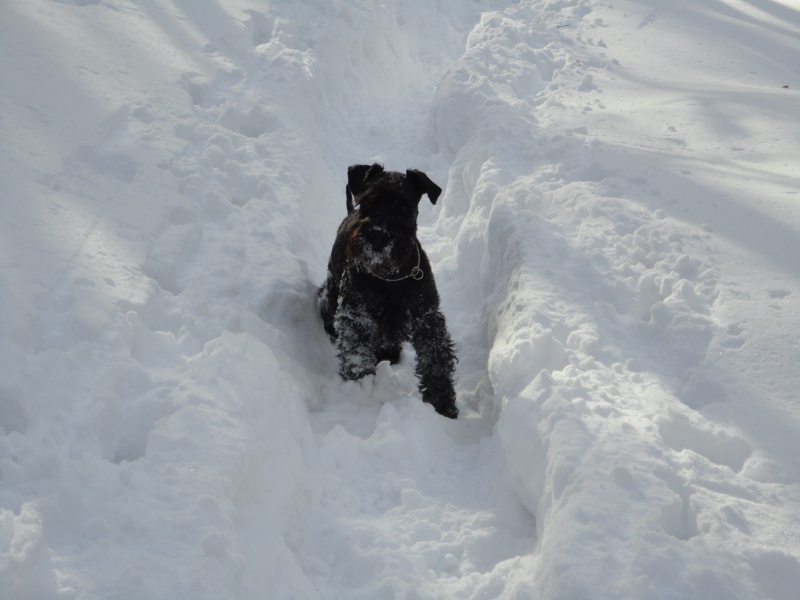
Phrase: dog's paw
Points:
(355, 367)
(450, 411)
(444, 404)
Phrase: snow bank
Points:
(600, 326)
(615, 251)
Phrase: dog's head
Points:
(383, 241)
(411, 185)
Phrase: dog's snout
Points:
(377, 238)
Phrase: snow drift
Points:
(616, 251)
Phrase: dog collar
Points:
(416, 273)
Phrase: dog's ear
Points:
(422, 182)
(358, 175)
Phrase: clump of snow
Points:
(616, 252)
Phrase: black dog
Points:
(380, 290)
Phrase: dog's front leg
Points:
(355, 342)
(326, 297)
(436, 363)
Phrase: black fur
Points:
(374, 299)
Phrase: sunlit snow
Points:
(617, 250)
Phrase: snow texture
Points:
(616, 249)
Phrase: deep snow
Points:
(616, 250)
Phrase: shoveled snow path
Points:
(402, 503)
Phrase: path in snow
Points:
(401, 502)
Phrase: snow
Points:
(616, 250)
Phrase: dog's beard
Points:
(379, 262)
(391, 261)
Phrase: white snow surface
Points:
(617, 250)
